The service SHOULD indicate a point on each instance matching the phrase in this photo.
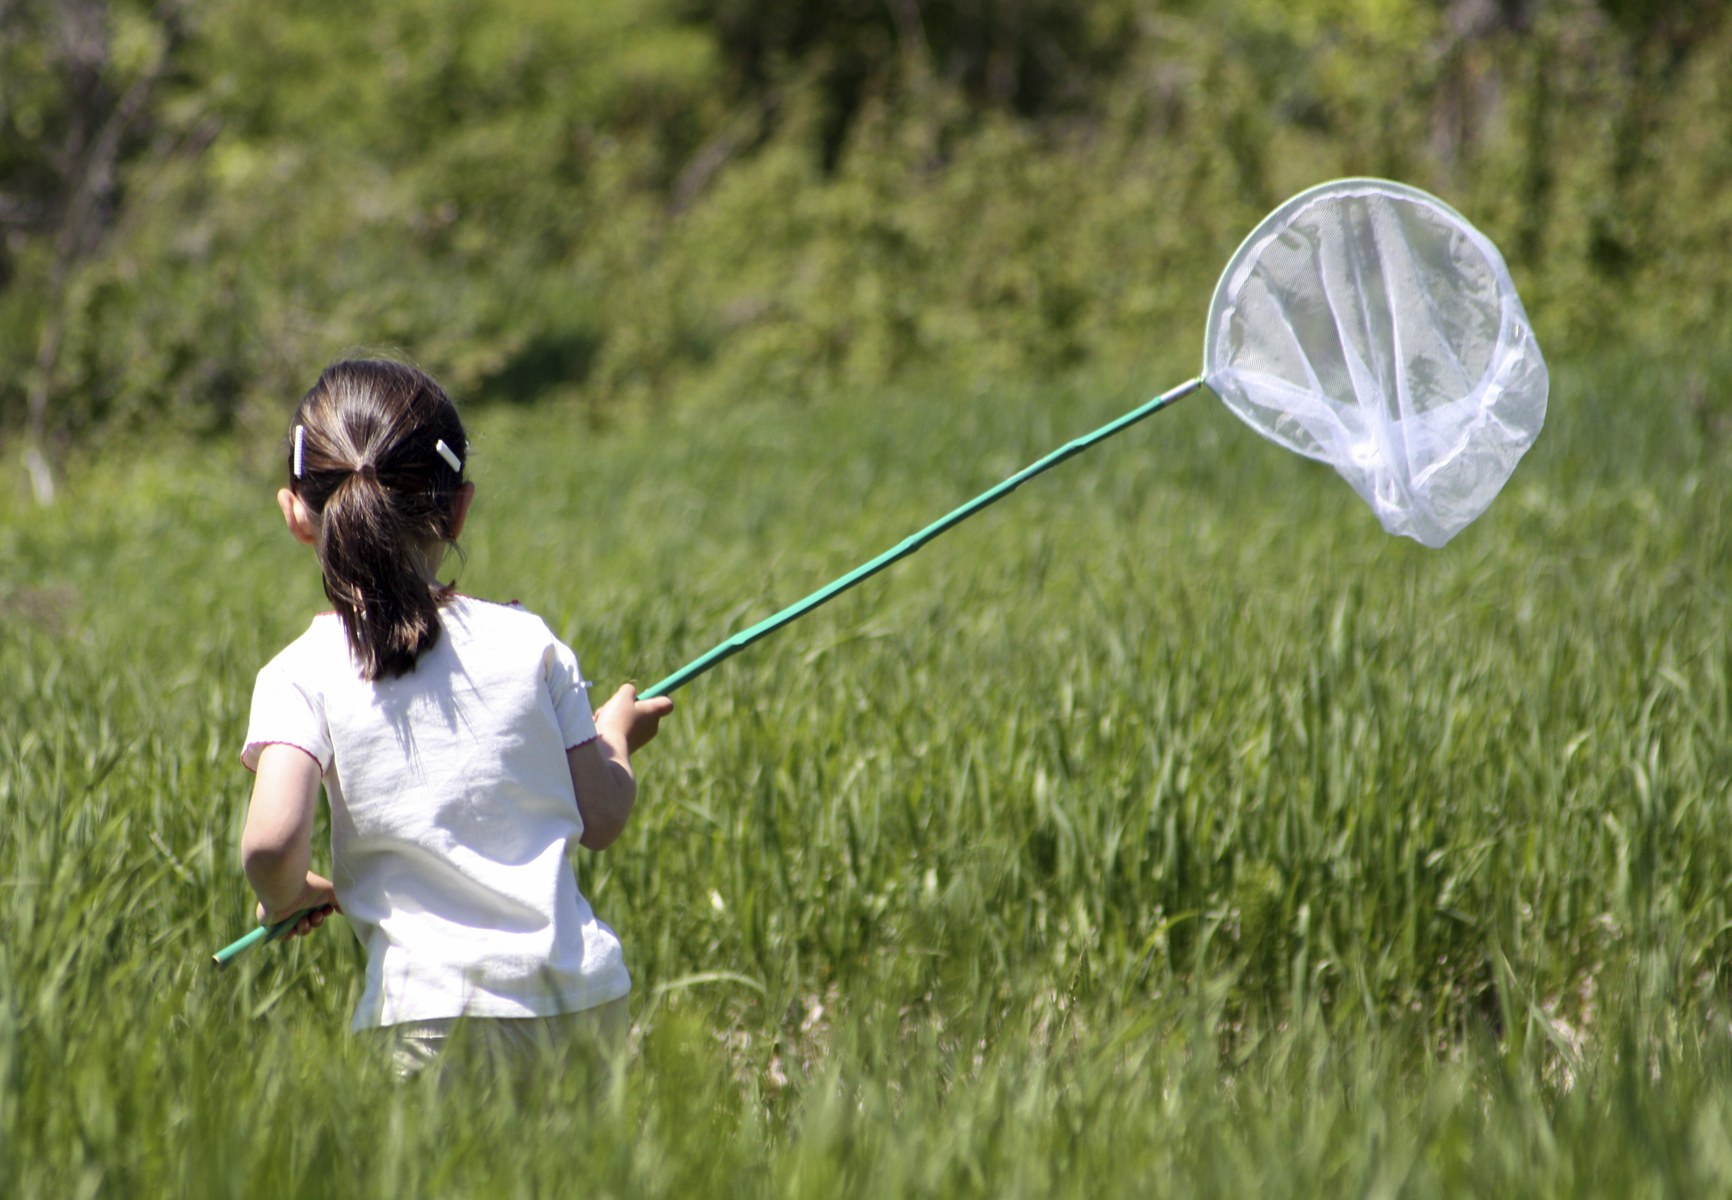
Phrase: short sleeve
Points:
(570, 694)
(285, 712)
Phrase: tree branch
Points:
(92, 172)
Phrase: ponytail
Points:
(373, 443)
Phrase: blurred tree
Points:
(1027, 57)
(1656, 38)
(616, 200)
(78, 81)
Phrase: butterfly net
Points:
(1366, 324)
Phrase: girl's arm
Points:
(277, 843)
(601, 773)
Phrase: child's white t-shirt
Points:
(451, 808)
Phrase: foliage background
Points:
(628, 204)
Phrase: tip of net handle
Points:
(264, 933)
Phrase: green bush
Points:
(625, 203)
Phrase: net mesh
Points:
(1366, 324)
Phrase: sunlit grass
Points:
(1167, 827)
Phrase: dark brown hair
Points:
(385, 496)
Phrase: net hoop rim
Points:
(1350, 184)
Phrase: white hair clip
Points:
(300, 448)
(450, 456)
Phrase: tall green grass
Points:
(1168, 827)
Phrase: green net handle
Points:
(908, 545)
(264, 933)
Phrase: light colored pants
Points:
(515, 1045)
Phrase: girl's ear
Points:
(460, 509)
(298, 517)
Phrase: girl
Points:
(454, 739)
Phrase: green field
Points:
(1167, 829)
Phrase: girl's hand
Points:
(318, 895)
(631, 720)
